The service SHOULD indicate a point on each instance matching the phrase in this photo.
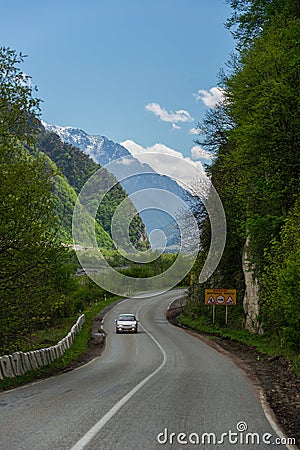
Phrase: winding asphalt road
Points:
(160, 388)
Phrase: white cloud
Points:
(175, 127)
(179, 116)
(183, 169)
(210, 98)
(126, 161)
(195, 131)
(197, 153)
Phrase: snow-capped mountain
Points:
(104, 151)
(99, 148)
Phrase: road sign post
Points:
(226, 297)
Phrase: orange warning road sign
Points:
(210, 301)
(220, 297)
(230, 301)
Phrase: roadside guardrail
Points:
(19, 363)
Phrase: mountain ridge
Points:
(105, 151)
(90, 144)
(76, 168)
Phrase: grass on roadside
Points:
(262, 343)
(79, 347)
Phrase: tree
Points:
(280, 305)
(250, 18)
(18, 107)
(30, 254)
(255, 137)
(264, 103)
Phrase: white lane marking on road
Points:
(86, 439)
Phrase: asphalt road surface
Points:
(159, 388)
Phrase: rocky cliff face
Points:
(251, 297)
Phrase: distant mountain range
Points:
(74, 169)
(104, 151)
(99, 148)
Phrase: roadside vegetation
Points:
(254, 136)
(52, 335)
(41, 293)
(265, 344)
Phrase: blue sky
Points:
(127, 69)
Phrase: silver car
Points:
(126, 322)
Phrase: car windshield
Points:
(126, 317)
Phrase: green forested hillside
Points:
(77, 168)
(34, 279)
(38, 288)
(64, 200)
(255, 137)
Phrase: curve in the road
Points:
(161, 378)
(82, 443)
